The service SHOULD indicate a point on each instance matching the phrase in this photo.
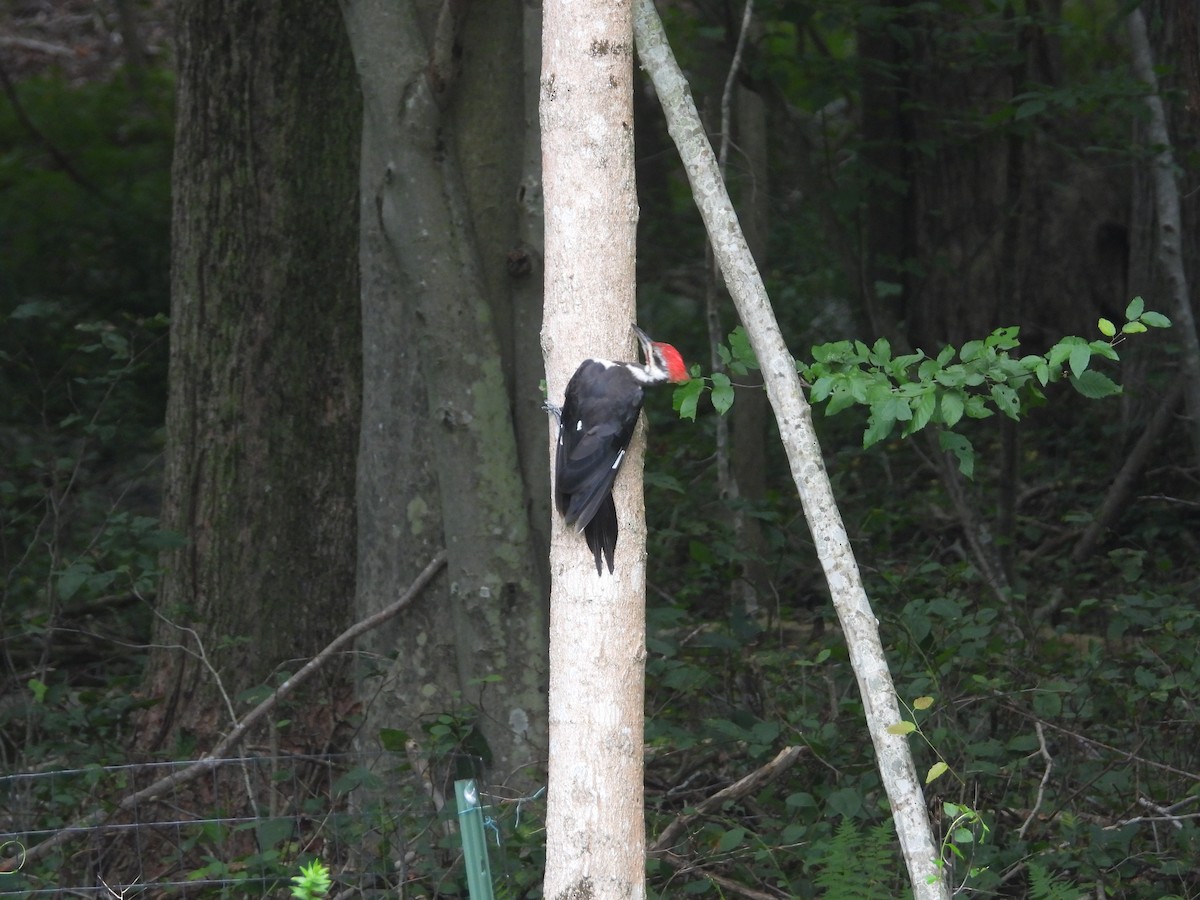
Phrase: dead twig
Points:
(1041, 793)
(736, 791)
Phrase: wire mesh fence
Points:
(240, 830)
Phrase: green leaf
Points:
(936, 771)
(392, 739)
(884, 289)
(841, 398)
(1059, 352)
(977, 407)
(881, 353)
(1042, 371)
(722, 393)
(1006, 400)
(1095, 385)
(1136, 307)
(801, 800)
(38, 689)
(34, 309)
(923, 408)
(687, 397)
(358, 777)
(1154, 320)
(731, 840)
(1133, 328)
(1081, 355)
(952, 409)
(272, 831)
(1107, 328)
(901, 728)
(664, 481)
(879, 425)
(962, 450)
(901, 363)
(954, 376)
(1030, 108)
(845, 802)
(71, 580)
(1004, 338)
(923, 703)
(739, 344)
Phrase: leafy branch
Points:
(914, 390)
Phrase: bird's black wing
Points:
(600, 410)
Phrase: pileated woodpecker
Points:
(595, 425)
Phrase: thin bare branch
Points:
(736, 791)
(1041, 793)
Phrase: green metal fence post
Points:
(470, 821)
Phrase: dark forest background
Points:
(921, 172)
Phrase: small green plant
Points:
(1044, 886)
(967, 829)
(910, 726)
(855, 862)
(312, 883)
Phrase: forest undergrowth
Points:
(1059, 696)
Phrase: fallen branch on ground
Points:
(736, 791)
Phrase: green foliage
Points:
(910, 726)
(856, 864)
(84, 209)
(1116, 660)
(966, 829)
(312, 883)
(94, 233)
(1043, 886)
(914, 391)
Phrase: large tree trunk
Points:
(595, 829)
(264, 377)
(439, 463)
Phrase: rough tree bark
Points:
(794, 417)
(439, 460)
(595, 832)
(264, 374)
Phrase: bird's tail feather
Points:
(601, 534)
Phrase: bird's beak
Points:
(646, 343)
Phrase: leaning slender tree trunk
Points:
(595, 832)
(794, 417)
